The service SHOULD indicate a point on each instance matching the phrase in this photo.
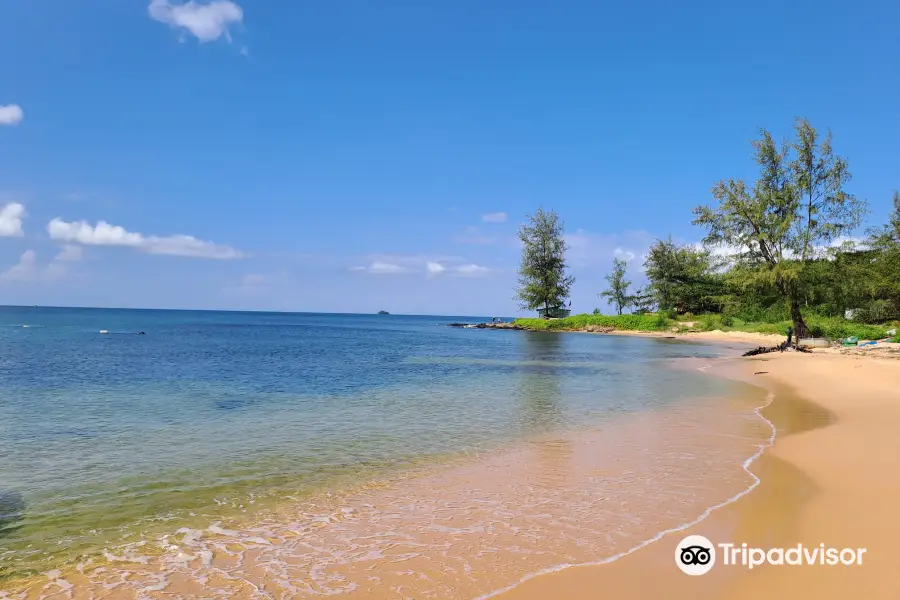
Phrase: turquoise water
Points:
(103, 436)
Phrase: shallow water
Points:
(316, 444)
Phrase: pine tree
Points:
(543, 278)
(617, 293)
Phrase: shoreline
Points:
(809, 492)
(717, 335)
(510, 591)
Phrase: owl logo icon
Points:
(695, 555)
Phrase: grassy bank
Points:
(580, 322)
(833, 328)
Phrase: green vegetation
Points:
(779, 225)
(543, 280)
(578, 322)
(617, 292)
(831, 327)
(683, 279)
(776, 254)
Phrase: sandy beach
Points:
(828, 479)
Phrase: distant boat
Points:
(383, 312)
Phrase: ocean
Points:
(301, 455)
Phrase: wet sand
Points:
(458, 532)
(829, 478)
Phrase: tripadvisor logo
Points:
(696, 555)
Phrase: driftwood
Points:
(779, 348)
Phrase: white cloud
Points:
(28, 270)
(104, 234)
(431, 266)
(626, 255)
(69, 253)
(24, 270)
(471, 270)
(205, 21)
(382, 268)
(729, 253)
(434, 268)
(587, 249)
(11, 217)
(11, 114)
(497, 217)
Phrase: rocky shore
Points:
(517, 327)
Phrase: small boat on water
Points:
(383, 312)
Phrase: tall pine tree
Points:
(543, 279)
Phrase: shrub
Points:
(668, 313)
(710, 322)
(624, 322)
(816, 331)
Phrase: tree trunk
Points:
(797, 318)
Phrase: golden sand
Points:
(830, 478)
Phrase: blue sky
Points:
(357, 156)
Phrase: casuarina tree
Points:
(543, 278)
(617, 292)
(796, 209)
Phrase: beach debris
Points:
(783, 347)
(761, 373)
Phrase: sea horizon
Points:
(243, 311)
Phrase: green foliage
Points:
(543, 279)
(683, 278)
(597, 311)
(796, 207)
(833, 328)
(577, 322)
(644, 300)
(668, 313)
(710, 322)
(617, 292)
